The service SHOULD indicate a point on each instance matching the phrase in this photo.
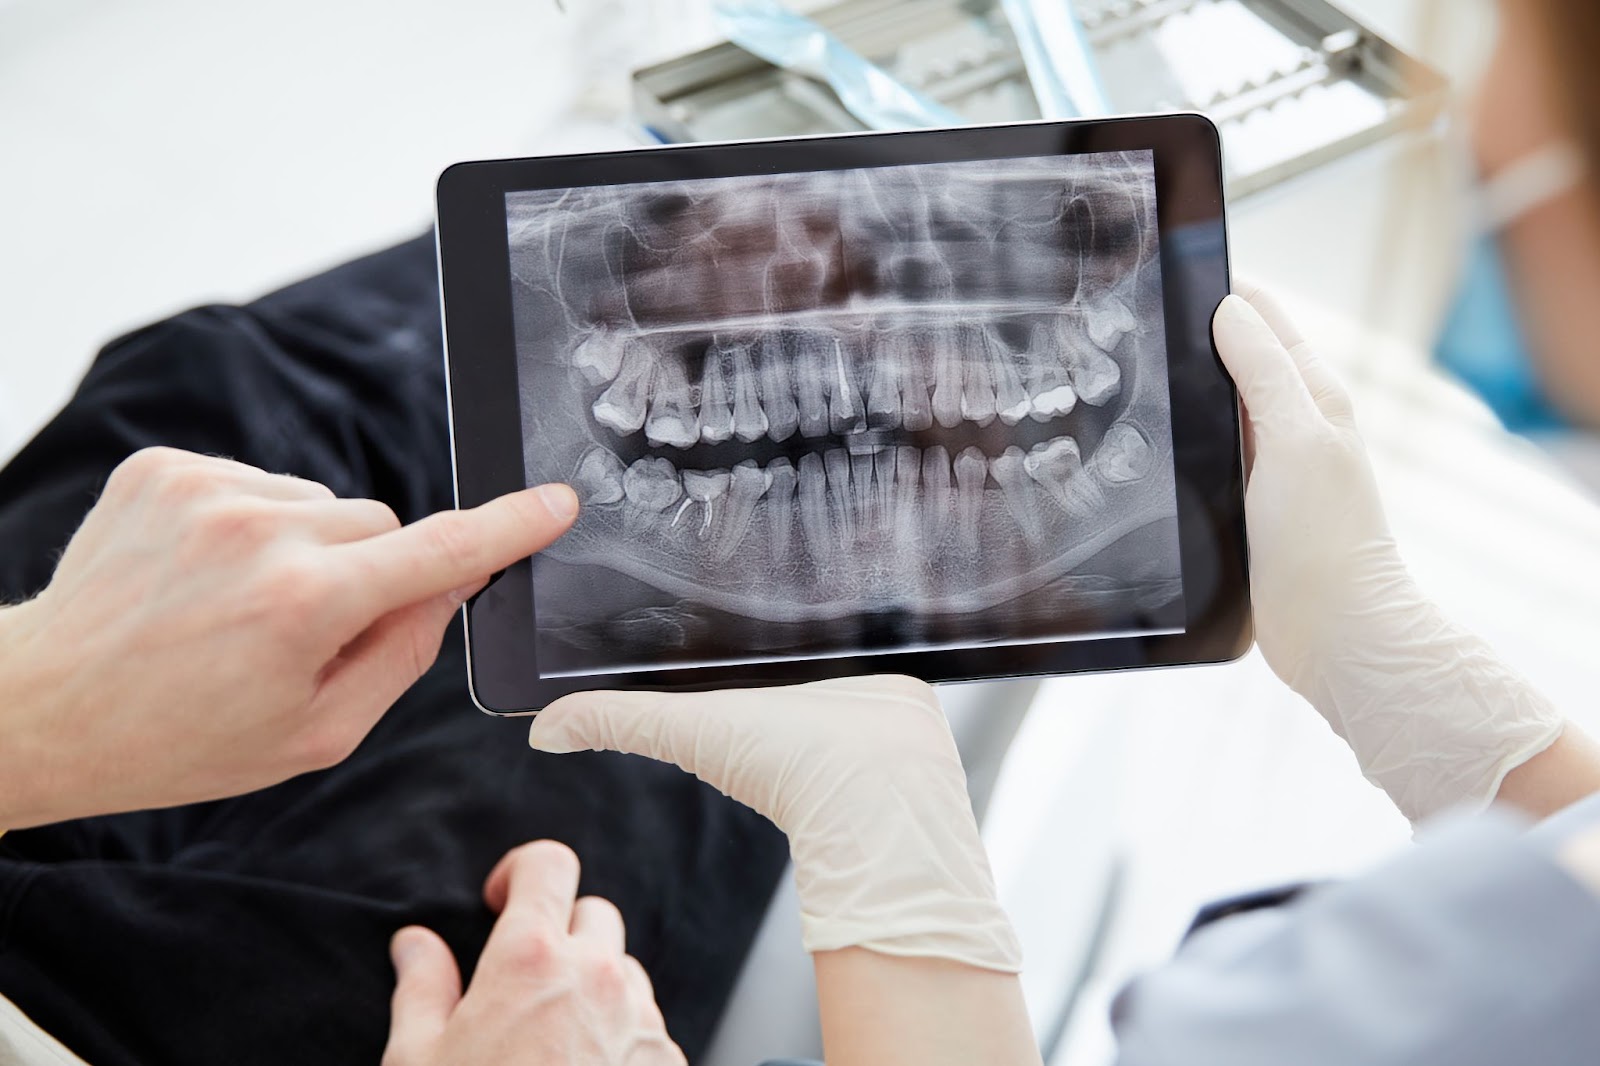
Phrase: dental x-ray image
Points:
(828, 413)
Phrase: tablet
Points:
(940, 402)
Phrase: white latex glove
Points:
(861, 774)
(1434, 717)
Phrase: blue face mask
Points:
(1482, 340)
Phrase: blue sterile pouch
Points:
(1061, 67)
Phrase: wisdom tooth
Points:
(1017, 488)
(672, 419)
(937, 505)
(749, 483)
(622, 406)
(716, 418)
(777, 392)
(1123, 455)
(1058, 468)
(1095, 376)
(704, 487)
(971, 472)
(650, 486)
(844, 409)
(977, 393)
(780, 508)
(749, 421)
(947, 377)
(599, 357)
(814, 520)
(1109, 323)
(597, 479)
(837, 463)
(813, 352)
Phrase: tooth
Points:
(716, 418)
(971, 471)
(599, 357)
(650, 487)
(749, 421)
(704, 487)
(977, 391)
(861, 486)
(907, 494)
(837, 462)
(777, 391)
(948, 377)
(883, 392)
(814, 518)
(622, 406)
(1010, 398)
(844, 399)
(1095, 376)
(1109, 323)
(597, 479)
(1123, 454)
(883, 464)
(1019, 491)
(916, 412)
(1058, 468)
(1046, 381)
(749, 483)
(812, 365)
(672, 419)
(780, 509)
(937, 506)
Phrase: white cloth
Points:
(24, 1044)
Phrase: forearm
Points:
(883, 1010)
(23, 800)
(1556, 778)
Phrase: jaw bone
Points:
(972, 471)
(777, 393)
(621, 407)
(1124, 454)
(672, 419)
(1058, 468)
(1018, 490)
(597, 478)
(780, 508)
(748, 484)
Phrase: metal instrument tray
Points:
(1291, 83)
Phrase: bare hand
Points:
(213, 629)
(554, 986)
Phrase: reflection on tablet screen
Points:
(827, 413)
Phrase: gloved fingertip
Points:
(549, 732)
(1234, 309)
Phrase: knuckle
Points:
(605, 978)
(293, 592)
(535, 952)
(548, 858)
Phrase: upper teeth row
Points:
(817, 380)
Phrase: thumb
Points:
(637, 723)
(1269, 381)
(427, 989)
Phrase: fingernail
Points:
(559, 500)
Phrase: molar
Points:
(716, 415)
(1010, 398)
(622, 406)
(1046, 380)
(1057, 466)
(748, 484)
(1109, 322)
(599, 357)
(597, 478)
(649, 486)
(1018, 490)
(704, 487)
(672, 418)
(1124, 454)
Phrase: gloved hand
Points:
(1434, 717)
(861, 774)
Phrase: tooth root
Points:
(938, 507)
(845, 413)
(815, 522)
(1019, 492)
(948, 377)
(597, 479)
(749, 421)
(861, 488)
(716, 416)
(907, 495)
(837, 464)
(814, 352)
(1124, 454)
(1010, 398)
(883, 470)
(1046, 379)
(780, 509)
(707, 488)
(672, 419)
(621, 407)
(972, 470)
(1109, 322)
(748, 483)
(649, 486)
(1058, 468)
(883, 392)
(777, 389)
(916, 409)
(599, 357)
(977, 391)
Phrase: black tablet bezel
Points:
(486, 421)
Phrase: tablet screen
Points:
(900, 408)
